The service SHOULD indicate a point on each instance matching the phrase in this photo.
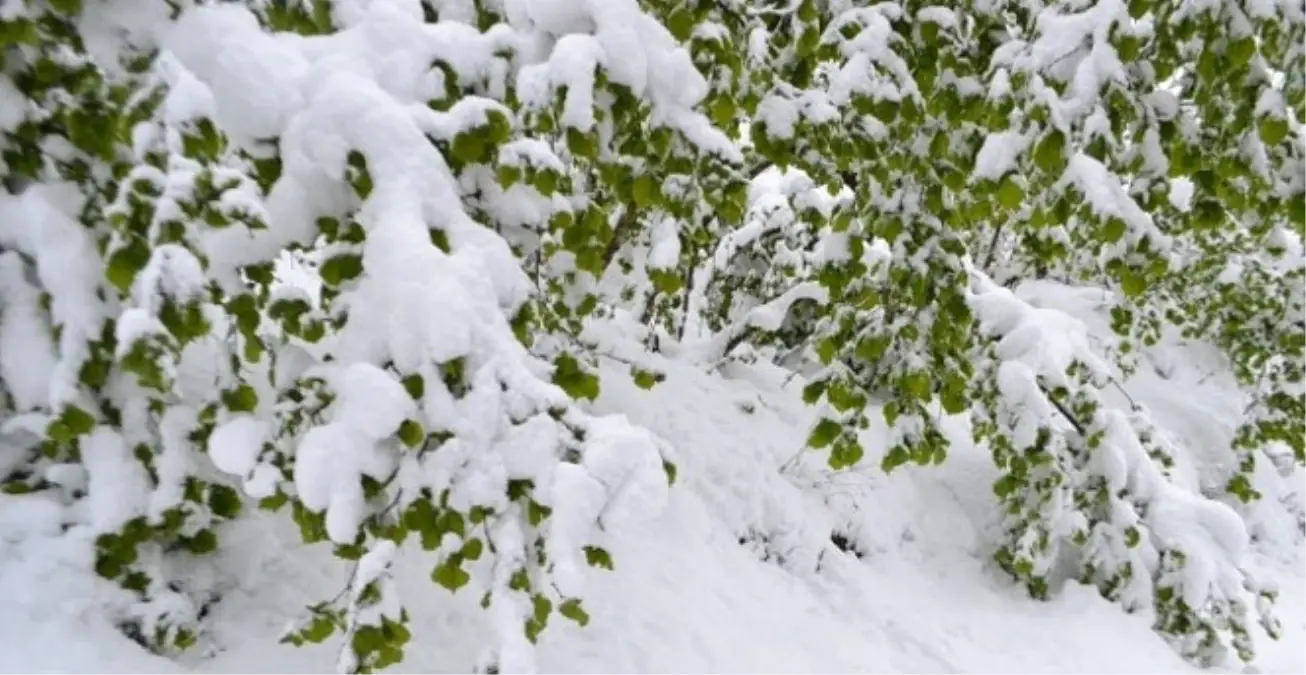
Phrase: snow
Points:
(685, 595)
(371, 400)
(116, 482)
(235, 444)
(27, 358)
(626, 461)
(665, 251)
(1181, 193)
(12, 106)
(328, 466)
(1107, 197)
(175, 460)
(253, 79)
(172, 272)
(999, 154)
(67, 265)
(943, 16)
(577, 499)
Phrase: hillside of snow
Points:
(761, 561)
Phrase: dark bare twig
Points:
(1064, 412)
(993, 248)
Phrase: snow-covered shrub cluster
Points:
(161, 162)
(355, 260)
(970, 153)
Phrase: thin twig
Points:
(993, 248)
(1064, 413)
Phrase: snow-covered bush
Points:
(1150, 149)
(162, 160)
(355, 261)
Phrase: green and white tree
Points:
(157, 194)
(1149, 149)
(480, 193)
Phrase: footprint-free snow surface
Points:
(761, 561)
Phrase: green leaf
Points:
(1113, 230)
(124, 264)
(312, 526)
(415, 386)
(224, 501)
(1010, 194)
(916, 385)
(78, 422)
(359, 178)
(1273, 130)
(646, 379)
(871, 349)
(204, 541)
(1240, 52)
(581, 144)
(1005, 486)
(597, 557)
(826, 349)
(541, 608)
(953, 396)
(411, 433)
(572, 610)
(1297, 210)
(930, 33)
(472, 549)
(352, 552)
(341, 268)
(567, 374)
(536, 512)
(645, 191)
(824, 433)
(1132, 283)
(241, 399)
(1128, 46)
(723, 112)
(318, 630)
(452, 521)
(813, 392)
(520, 581)
(807, 12)
(681, 23)
(469, 146)
(450, 574)
(896, 457)
(508, 175)
(18, 31)
(1049, 154)
(545, 182)
(846, 452)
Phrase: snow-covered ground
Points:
(737, 574)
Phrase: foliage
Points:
(1150, 149)
(480, 193)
